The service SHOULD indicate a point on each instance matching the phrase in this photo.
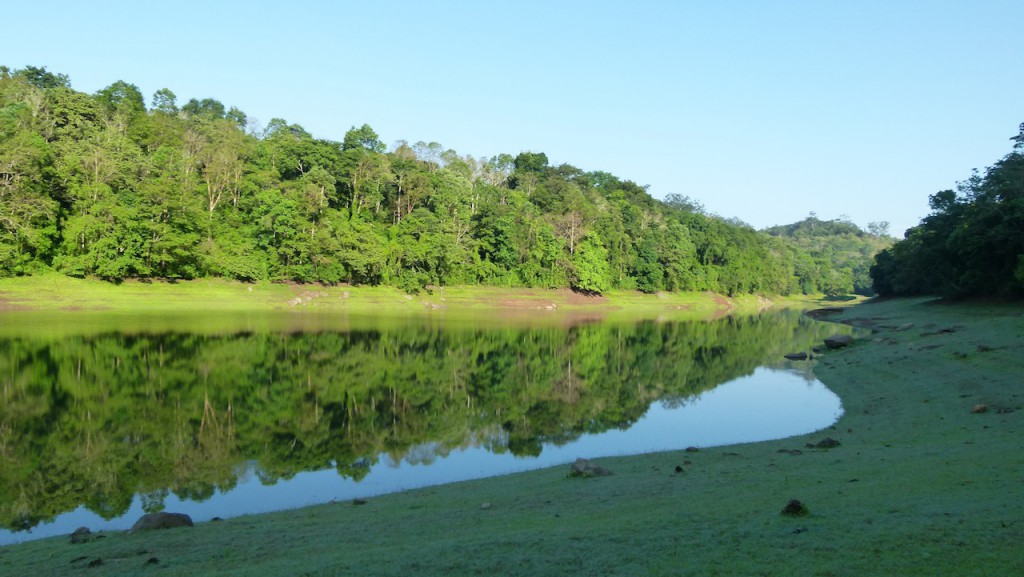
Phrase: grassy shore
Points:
(56, 292)
(920, 485)
(56, 304)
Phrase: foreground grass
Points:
(919, 486)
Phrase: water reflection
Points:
(223, 424)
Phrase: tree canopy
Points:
(98, 185)
(833, 257)
(972, 243)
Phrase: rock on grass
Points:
(162, 521)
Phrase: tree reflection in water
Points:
(94, 420)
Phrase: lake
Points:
(104, 418)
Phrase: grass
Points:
(54, 291)
(54, 303)
(920, 485)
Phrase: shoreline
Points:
(56, 292)
(920, 484)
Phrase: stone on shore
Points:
(162, 521)
(838, 341)
(584, 468)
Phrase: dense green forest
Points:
(118, 413)
(834, 255)
(972, 243)
(100, 185)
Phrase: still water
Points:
(99, 425)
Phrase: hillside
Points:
(100, 185)
(834, 256)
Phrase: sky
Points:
(761, 111)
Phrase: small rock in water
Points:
(796, 356)
(979, 409)
(485, 506)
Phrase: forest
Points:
(972, 243)
(100, 185)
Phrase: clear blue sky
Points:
(764, 111)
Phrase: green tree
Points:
(590, 262)
(40, 78)
(363, 137)
(970, 245)
(123, 97)
(165, 101)
(207, 107)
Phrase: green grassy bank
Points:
(56, 292)
(920, 485)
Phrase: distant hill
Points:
(834, 256)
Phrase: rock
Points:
(358, 501)
(795, 509)
(796, 356)
(979, 409)
(485, 506)
(81, 535)
(679, 469)
(161, 521)
(826, 443)
(584, 468)
(692, 449)
(838, 341)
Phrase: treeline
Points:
(972, 243)
(834, 256)
(100, 185)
